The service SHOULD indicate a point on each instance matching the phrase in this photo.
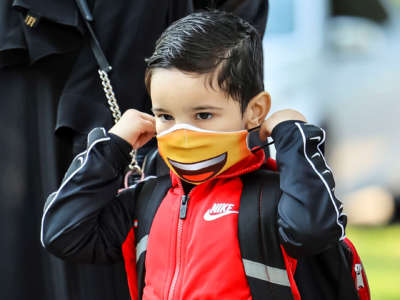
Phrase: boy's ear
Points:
(257, 110)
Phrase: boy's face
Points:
(187, 98)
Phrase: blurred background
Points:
(338, 62)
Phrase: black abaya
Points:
(48, 80)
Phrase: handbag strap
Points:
(104, 69)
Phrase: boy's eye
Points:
(166, 117)
(204, 116)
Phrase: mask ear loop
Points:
(263, 145)
(254, 128)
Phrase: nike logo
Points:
(219, 210)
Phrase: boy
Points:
(205, 79)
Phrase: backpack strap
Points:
(145, 211)
(153, 164)
(259, 243)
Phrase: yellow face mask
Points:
(196, 155)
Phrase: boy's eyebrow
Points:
(155, 109)
(206, 107)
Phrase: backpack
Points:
(336, 273)
(344, 259)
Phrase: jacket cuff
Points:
(283, 129)
(121, 151)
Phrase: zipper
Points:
(359, 277)
(177, 259)
(183, 209)
(182, 217)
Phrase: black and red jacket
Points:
(196, 257)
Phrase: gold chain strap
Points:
(116, 112)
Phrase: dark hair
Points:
(214, 43)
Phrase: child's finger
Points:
(146, 132)
(264, 134)
(143, 139)
(148, 117)
(148, 126)
(265, 131)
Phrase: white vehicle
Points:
(293, 46)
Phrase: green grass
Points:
(379, 249)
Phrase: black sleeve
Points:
(310, 218)
(85, 220)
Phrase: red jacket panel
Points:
(199, 257)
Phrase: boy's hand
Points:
(277, 117)
(135, 127)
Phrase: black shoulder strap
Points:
(94, 42)
(147, 203)
(259, 243)
(153, 164)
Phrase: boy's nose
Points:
(183, 120)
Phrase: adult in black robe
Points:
(51, 97)
(368, 9)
